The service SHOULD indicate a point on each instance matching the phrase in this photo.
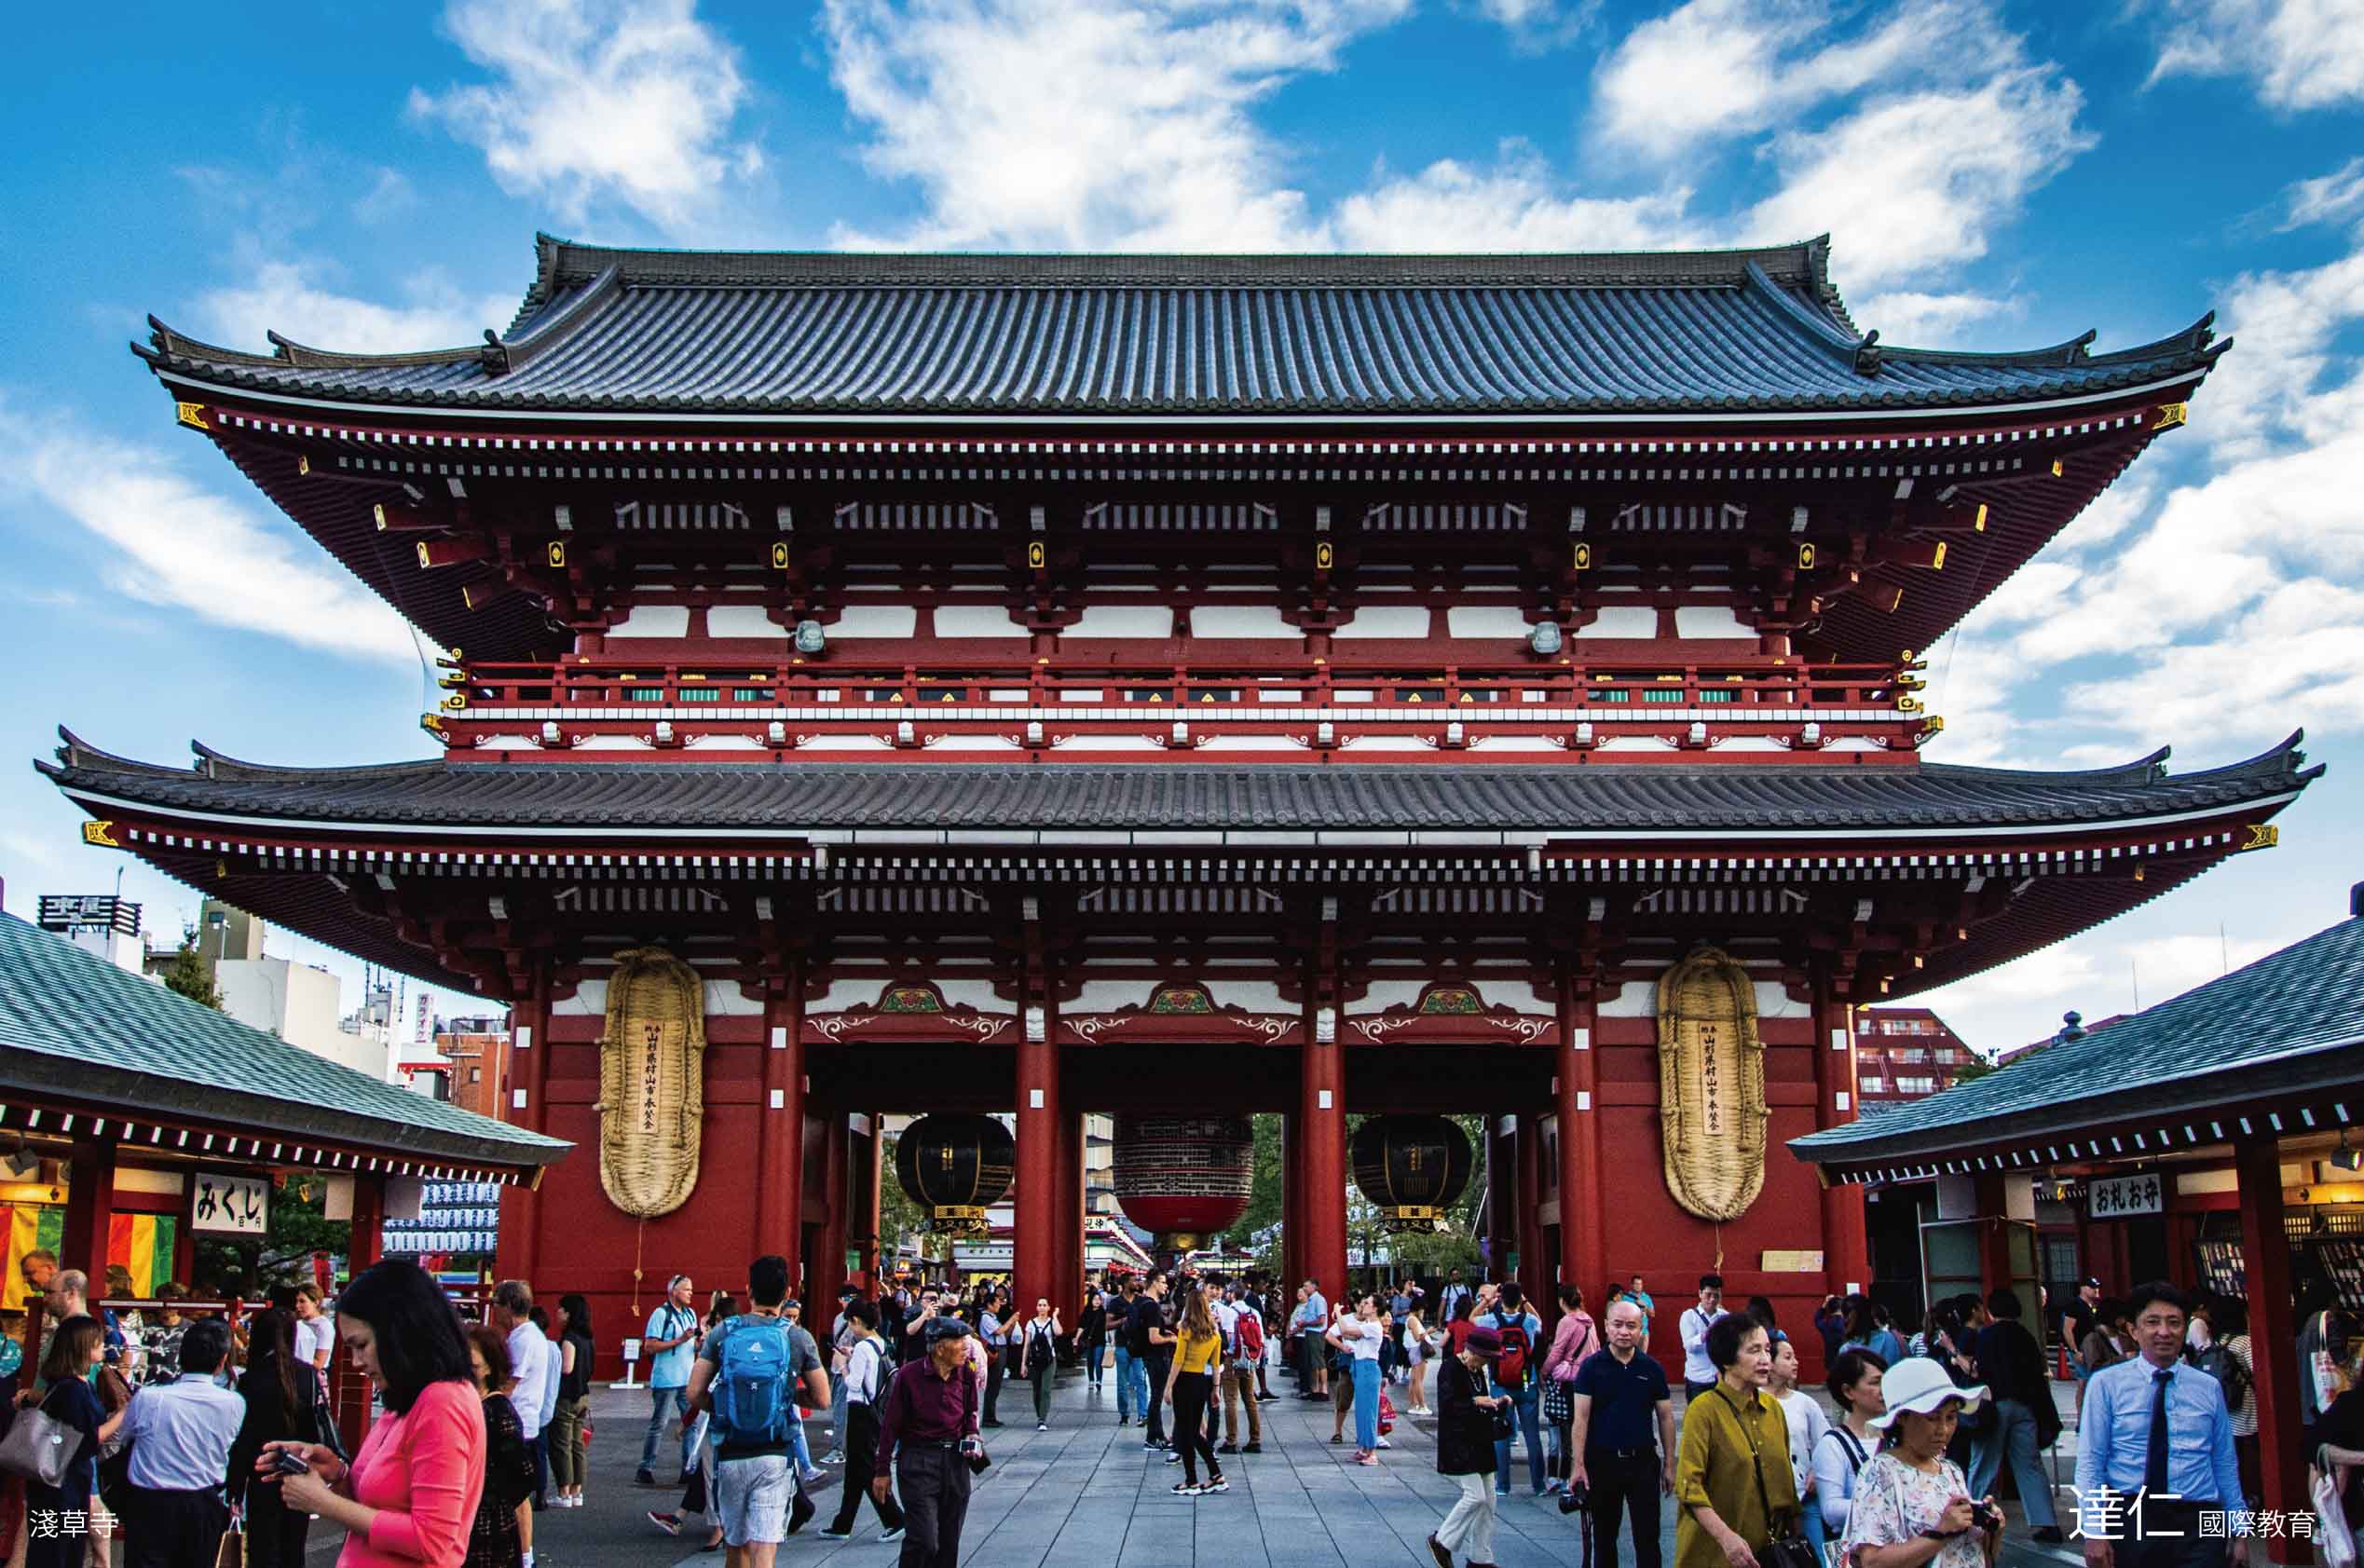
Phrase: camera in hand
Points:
(1577, 1498)
(1986, 1516)
(292, 1462)
(973, 1450)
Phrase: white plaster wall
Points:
(1709, 620)
(744, 621)
(875, 621)
(1394, 621)
(1621, 620)
(1256, 996)
(1638, 999)
(653, 620)
(1487, 620)
(976, 621)
(1122, 620)
(1242, 620)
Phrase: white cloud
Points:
(1513, 205)
(2301, 54)
(390, 196)
(2286, 322)
(177, 543)
(1094, 124)
(286, 298)
(1911, 186)
(596, 102)
(1929, 321)
(2327, 199)
(1539, 25)
(1723, 68)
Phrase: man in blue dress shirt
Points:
(2156, 1429)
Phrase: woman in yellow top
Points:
(1199, 1356)
(1732, 1480)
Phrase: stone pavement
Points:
(1084, 1494)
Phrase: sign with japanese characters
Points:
(2116, 1197)
(237, 1205)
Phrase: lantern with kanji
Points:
(1411, 1168)
(956, 1167)
(1184, 1177)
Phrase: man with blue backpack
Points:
(748, 1374)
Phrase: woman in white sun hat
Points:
(1912, 1509)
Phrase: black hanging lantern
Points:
(1411, 1168)
(956, 1167)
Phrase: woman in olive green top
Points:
(1732, 1482)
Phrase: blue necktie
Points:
(2154, 1462)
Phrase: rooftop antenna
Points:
(2134, 972)
(2224, 952)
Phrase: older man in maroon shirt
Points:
(927, 1435)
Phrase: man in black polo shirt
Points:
(1623, 1438)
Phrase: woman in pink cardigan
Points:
(1574, 1340)
(410, 1495)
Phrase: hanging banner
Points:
(2118, 1197)
(230, 1205)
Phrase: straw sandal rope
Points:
(652, 1082)
(1711, 1068)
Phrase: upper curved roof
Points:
(826, 333)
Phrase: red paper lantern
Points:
(1184, 1177)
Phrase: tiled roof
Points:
(2294, 1016)
(72, 1023)
(608, 798)
(801, 333)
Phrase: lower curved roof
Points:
(831, 801)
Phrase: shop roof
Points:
(2293, 1019)
(75, 1026)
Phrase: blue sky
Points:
(1995, 175)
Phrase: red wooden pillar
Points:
(1321, 1111)
(1846, 1245)
(1994, 1234)
(1067, 1293)
(368, 1243)
(349, 1391)
(866, 1204)
(1535, 1270)
(517, 1247)
(89, 1210)
(2266, 1257)
(1293, 1216)
(1501, 1196)
(828, 1264)
(779, 1154)
(1035, 1255)
(1583, 1259)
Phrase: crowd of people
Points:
(173, 1426)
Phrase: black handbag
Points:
(1559, 1401)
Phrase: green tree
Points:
(900, 1219)
(187, 974)
(1973, 1069)
(1266, 1194)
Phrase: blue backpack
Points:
(751, 1383)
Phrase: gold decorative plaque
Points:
(1711, 1078)
(652, 1084)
